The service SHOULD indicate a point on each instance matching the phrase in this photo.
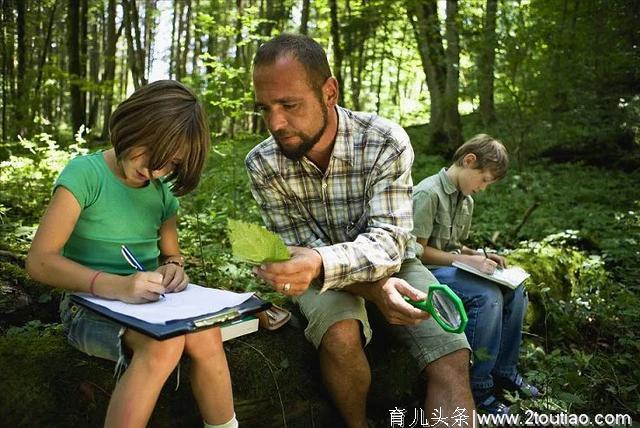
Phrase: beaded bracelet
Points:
(173, 262)
(93, 282)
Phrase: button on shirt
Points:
(357, 214)
(441, 213)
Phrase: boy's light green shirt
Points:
(441, 214)
(113, 214)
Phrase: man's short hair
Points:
(304, 49)
(490, 154)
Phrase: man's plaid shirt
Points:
(358, 215)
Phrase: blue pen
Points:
(131, 259)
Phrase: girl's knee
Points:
(204, 344)
(161, 354)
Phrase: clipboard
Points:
(177, 327)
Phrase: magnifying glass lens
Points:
(446, 309)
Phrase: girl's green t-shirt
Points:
(114, 214)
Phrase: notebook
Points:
(510, 277)
(177, 313)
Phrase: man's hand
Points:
(292, 277)
(388, 295)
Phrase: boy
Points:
(442, 210)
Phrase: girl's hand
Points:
(143, 287)
(174, 278)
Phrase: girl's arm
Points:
(46, 264)
(433, 256)
(171, 261)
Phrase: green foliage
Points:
(584, 314)
(254, 244)
(27, 181)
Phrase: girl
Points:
(121, 196)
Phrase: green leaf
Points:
(254, 244)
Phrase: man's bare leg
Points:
(448, 387)
(345, 371)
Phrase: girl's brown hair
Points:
(166, 119)
(490, 154)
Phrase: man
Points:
(336, 186)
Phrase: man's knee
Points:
(452, 368)
(342, 338)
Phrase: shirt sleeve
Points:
(171, 203)
(379, 249)
(425, 205)
(279, 212)
(78, 178)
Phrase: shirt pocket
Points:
(462, 223)
(442, 227)
(355, 228)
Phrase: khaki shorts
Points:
(426, 341)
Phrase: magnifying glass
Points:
(444, 306)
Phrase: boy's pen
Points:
(131, 259)
(485, 253)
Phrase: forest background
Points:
(558, 81)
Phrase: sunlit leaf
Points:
(255, 244)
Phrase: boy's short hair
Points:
(490, 154)
(166, 118)
(304, 49)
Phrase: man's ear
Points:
(331, 90)
(469, 160)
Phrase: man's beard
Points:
(296, 153)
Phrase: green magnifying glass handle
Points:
(448, 311)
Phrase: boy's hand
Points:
(174, 279)
(143, 287)
(482, 263)
(501, 261)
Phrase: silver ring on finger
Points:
(286, 287)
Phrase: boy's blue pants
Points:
(494, 331)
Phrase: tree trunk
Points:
(22, 98)
(178, 41)
(212, 40)
(109, 72)
(452, 123)
(94, 66)
(337, 48)
(197, 45)
(187, 38)
(45, 46)
(486, 61)
(426, 27)
(172, 55)
(134, 44)
(150, 22)
(7, 61)
(83, 55)
(73, 52)
(304, 19)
